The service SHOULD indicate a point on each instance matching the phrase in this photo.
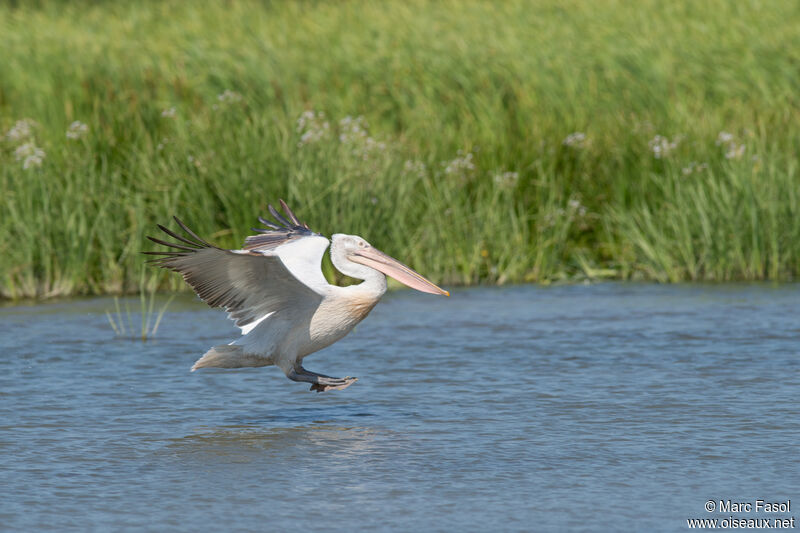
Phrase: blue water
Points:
(602, 407)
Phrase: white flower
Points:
(461, 165)
(506, 179)
(308, 117)
(575, 206)
(312, 127)
(693, 167)
(77, 130)
(662, 146)
(30, 155)
(575, 140)
(735, 151)
(724, 138)
(229, 97)
(24, 151)
(169, 113)
(21, 130)
(33, 160)
(352, 130)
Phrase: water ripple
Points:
(516, 407)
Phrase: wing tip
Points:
(289, 212)
(283, 223)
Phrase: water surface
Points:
(613, 406)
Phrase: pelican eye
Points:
(362, 244)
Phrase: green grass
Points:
(497, 86)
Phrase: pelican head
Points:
(357, 258)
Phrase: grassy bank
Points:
(514, 141)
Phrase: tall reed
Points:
(500, 142)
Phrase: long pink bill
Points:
(390, 266)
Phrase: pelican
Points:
(273, 288)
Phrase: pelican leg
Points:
(320, 382)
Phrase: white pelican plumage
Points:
(273, 288)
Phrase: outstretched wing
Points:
(249, 284)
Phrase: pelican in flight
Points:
(273, 288)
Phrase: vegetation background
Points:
(515, 141)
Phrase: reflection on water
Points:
(255, 442)
(517, 408)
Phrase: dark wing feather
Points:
(285, 229)
(247, 284)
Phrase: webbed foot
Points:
(320, 382)
(335, 384)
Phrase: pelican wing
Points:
(249, 284)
